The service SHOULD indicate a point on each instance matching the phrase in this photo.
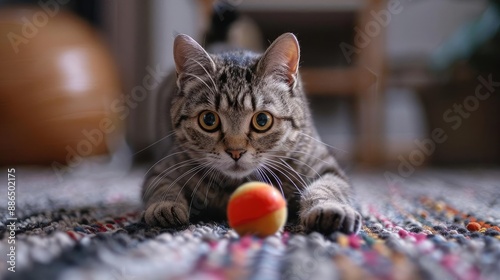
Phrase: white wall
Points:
(168, 18)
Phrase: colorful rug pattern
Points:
(427, 227)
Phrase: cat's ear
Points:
(281, 58)
(190, 58)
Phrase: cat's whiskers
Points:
(264, 172)
(321, 142)
(193, 193)
(280, 171)
(300, 174)
(286, 167)
(162, 159)
(205, 174)
(283, 165)
(286, 153)
(302, 162)
(152, 185)
(174, 167)
(196, 170)
(278, 181)
(257, 174)
(156, 182)
(264, 176)
(207, 171)
(177, 147)
(156, 142)
(214, 177)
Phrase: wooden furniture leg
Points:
(369, 96)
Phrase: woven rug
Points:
(436, 224)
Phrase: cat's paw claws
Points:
(166, 214)
(329, 218)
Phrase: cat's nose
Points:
(235, 154)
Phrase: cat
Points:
(238, 116)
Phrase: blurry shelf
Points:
(329, 81)
(337, 81)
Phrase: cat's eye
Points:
(209, 121)
(262, 121)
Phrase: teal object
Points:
(467, 39)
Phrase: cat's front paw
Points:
(330, 217)
(166, 214)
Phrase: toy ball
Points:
(58, 84)
(256, 208)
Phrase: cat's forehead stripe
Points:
(233, 88)
(237, 58)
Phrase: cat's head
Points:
(238, 111)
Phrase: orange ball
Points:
(256, 208)
(58, 84)
(473, 226)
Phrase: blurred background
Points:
(391, 83)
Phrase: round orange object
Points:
(473, 226)
(256, 208)
(58, 84)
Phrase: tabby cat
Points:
(238, 116)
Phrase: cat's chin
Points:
(237, 171)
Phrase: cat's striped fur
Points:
(202, 168)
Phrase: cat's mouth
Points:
(237, 170)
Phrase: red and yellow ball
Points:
(256, 208)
